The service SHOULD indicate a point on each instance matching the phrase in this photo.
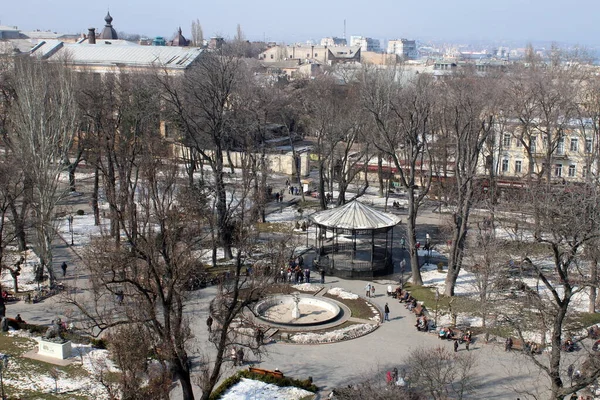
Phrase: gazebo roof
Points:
(355, 215)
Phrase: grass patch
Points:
(275, 227)
(359, 308)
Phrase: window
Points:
(316, 54)
(518, 165)
(506, 141)
(505, 165)
(271, 56)
(584, 172)
(307, 55)
(574, 144)
(571, 171)
(558, 170)
(588, 145)
(532, 144)
(560, 146)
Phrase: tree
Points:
(200, 106)
(567, 218)
(402, 111)
(43, 122)
(440, 373)
(467, 118)
(197, 34)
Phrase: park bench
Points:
(520, 346)
(419, 310)
(260, 371)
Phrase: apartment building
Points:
(403, 48)
(567, 155)
(365, 43)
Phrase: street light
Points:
(437, 301)
(3, 366)
(70, 219)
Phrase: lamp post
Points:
(3, 366)
(70, 219)
(437, 301)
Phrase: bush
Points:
(440, 267)
(281, 382)
(223, 387)
(98, 343)
(80, 212)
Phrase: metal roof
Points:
(118, 54)
(355, 215)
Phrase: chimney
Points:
(92, 35)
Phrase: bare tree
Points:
(200, 105)
(197, 34)
(440, 373)
(402, 112)
(567, 219)
(467, 115)
(43, 123)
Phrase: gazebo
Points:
(355, 240)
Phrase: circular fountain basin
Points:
(313, 311)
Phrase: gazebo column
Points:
(372, 247)
(353, 244)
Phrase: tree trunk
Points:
(223, 224)
(95, 207)
(593, 287)
(412, 238)
(380, 173)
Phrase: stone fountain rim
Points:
(341, 310)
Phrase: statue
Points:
(296, 309)
(54, 332)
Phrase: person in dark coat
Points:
(386, 312)
(63, 266)
(456, 346)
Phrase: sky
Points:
(567, 22)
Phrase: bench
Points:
(418, 310)
(260, 371)
(520, 346)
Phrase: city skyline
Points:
(465, 20)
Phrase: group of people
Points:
(422, 324)
(370, 290)
(396, 205)
(295, 273)
(237, 356)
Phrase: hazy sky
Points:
(574, 22)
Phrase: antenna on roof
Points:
(344, 29)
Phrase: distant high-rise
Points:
(333, 41)
(407, 49)
(365, 43)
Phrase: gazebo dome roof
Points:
(355, 215)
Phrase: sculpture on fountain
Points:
(296, 310)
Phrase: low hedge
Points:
(305, 384)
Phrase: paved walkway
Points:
(498, 373)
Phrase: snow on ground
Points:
(342, 293)
(83, 229)
(93, 362)
(349, 332)
(27, 273)
(248, 389)
(307, 287)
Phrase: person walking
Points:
(209, 322)
(456, 346)
(368, 289)
(322, 276)
(386, 312)
(372, 290)
(63, 266)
